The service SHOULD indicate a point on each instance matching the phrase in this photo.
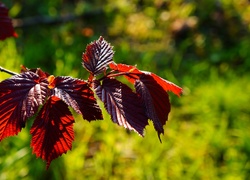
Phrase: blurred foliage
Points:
(203, 46)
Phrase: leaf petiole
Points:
(113, 74)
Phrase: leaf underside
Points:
(52, 131)
(124, 106)
(6, 29)
(97, 56)
(155, 99)
(20, 97)
(77, 94)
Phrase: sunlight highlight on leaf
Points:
(52, 131)
(132, 73)
(166, 85)
(20, 97)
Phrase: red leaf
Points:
(166, 85)
(152, 90)
(129, 71)
(6, 29)
(77, 94)
(38, 71)
(124, 106)
(156, 101)
(125, 68)
(132, 73)
(97, 56)
(52, 131)
(20, 97)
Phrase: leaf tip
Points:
(100, 38)
(47, 164)
(97, 56)
(159, 136)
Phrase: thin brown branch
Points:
(7, 71)
(33, 21)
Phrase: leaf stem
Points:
(113, 74)
(7, 71)
(130, 74)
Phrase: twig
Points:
(33, 21)
(7, 71)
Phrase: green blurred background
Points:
(202, 46)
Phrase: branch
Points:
(7, 71)
(33, 21)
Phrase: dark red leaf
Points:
(155, 99)
(6, 27)
(20, 97)
(97, 56)
(77, 94)
(124, 106)
(52, 131)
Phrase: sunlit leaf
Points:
(52, 131)
(132, 73)
(97, 56)
(124, 106)
(124, 68)
(77, 94)
(166, 85)
(20, 97)
(129, 71)
(6, 27)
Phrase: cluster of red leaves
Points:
(52, 131)
(6, 28)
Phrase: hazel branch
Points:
(7, 71)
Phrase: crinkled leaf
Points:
(124, 106)
(97, 56)
(20, 97)
(6, 27)
(132, 73)
(155, 99)
(77, 94)
(52, 131)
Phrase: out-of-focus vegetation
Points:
(203, 46)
